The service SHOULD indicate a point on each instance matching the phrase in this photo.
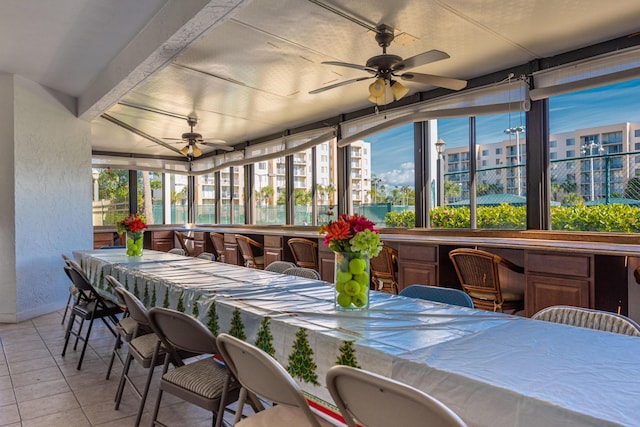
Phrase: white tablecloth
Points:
(491, 369)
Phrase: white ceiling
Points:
(245, 67)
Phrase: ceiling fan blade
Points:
(346, 82)
(356, 66)
(421, 59)
(217, 146)
(430, 79)
(173, 139)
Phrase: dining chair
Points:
(435, 293)
(479, 275)
(217, 239)
(89, 306)
(142, 348)
(206, 255)
(307, 273)
(177, 251)
(279, 266)
(384, 269)
(183, 239)
(126, 328)
(377, 401)
(589, 318)
(305, 252)
(204, 382)
(246, 246)
(261, 375)
(73, 291)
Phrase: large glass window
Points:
(452, 171)
(225, 196)
(110, 195)
(302, 185)
(238, 194)
(176, 193)
(501, 192)
(267, 191)
(595, 188)
(205, 203)
(383, 177)
(326, 181)
(150, 196)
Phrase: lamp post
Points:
(517, 130)
(96, 187)
(589, 147)
(440, 178)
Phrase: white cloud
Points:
(405, 175)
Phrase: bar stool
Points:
(246, 245)
(217, 239)
(305, 252)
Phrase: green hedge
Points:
(619, 218)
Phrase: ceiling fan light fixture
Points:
(375, 100)
(185, 150)
(377, 88)
(399, 90)
(196, 151)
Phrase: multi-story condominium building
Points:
(596, 161)
(361, 172)
(271, 174)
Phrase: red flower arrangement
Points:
(353, 233)
(133, 223)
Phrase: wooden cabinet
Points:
(162, 240)
(198, 242)
(417, 264)
(231, 250)
(558, 279)
(272, 249)
(326, 263)
(103, 239)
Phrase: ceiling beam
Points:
(178, 24)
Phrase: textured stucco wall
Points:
(7, 229)
(52, 184)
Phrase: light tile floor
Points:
(39, 387)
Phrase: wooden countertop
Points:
(579, 242)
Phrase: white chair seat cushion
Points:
(280, 416)
(204, 377)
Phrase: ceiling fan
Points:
(192, 139)
(385, 68)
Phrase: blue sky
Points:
(392, 150)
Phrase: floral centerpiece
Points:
(134, 226)
(354, 241)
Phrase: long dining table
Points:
(490, 368)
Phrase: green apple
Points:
(360, 300)
(344, 300)
(343, 276)
(351, 288)
(357, 266)
(340, 287)
(362, 278)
